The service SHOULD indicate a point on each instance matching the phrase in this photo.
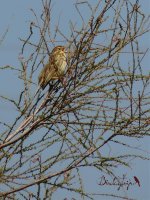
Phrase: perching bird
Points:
(55, 68)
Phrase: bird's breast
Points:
(61, 63)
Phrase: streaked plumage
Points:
(55, 68)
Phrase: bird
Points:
(55, 68)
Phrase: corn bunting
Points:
(55, 68)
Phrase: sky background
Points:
(15, 17)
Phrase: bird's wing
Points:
(48, 73)
(54, 64)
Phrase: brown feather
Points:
(55, 68)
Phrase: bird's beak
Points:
(65, 50)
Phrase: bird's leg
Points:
(51, 85)
(63, 81)
(54, 86)
(70, 72)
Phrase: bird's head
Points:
(59, 49)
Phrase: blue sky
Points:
(15, 17)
